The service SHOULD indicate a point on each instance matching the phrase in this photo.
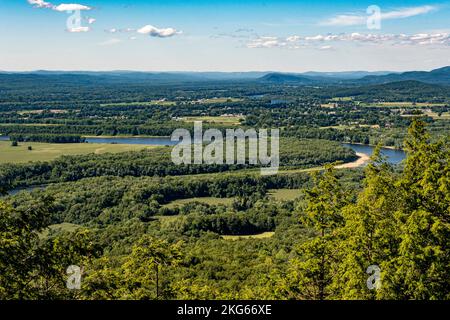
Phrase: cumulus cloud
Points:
(40, 4)
(91, 20)
(324, 42)
(156, 32)
(61, 7)
(70, 7)
(356, 19)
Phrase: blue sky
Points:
(198, 35)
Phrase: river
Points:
(394, 156)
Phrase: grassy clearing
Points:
(284, 194)
(348, 127)
(218, 100)
(206, 200)
(140, 104)
(263, 235)
(228, 120)
(435, 116)
(50, 151)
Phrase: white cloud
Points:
(91, 20)
(40, 4)
(323, 42)
(78, 29)
(156, 32)
(354, 19)
(293, 39)
(61, 7)
(266, 42)
(407, 12)
(70, 7)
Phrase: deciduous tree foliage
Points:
(396, 218)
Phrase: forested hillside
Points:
(125, 234)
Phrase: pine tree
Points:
(420, 271)
(370, 235)
(311, 274)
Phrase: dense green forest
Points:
(141, 227)
(125, 236)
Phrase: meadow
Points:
(50, 151)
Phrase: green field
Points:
(284, 194)
(50, 151)
(263, 235)
(206, 200)
(218, 100)
(231, 120)
(142, 103)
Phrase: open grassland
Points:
(436, 116)
(284, 194)
(140, 104)
(218, 100)
(229, 120)
(206, 200)
(50, 151)
(263, 235)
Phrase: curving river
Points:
(393, 156)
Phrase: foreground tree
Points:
(33, 266)
(370, 235)
(311, 274)
(420, 270)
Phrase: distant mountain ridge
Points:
(439, 76)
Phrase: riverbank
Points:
(362, 160)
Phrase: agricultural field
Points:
(206, 200)
(50, 151)
(225, 120)
(218, 100)
(284, 194)
(140, 103)
(264, 235)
